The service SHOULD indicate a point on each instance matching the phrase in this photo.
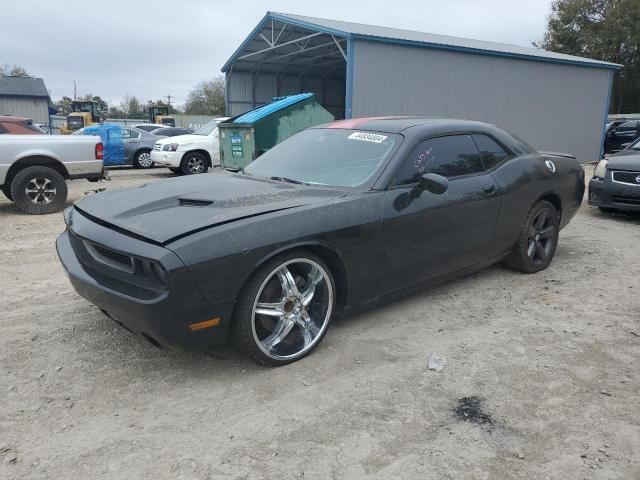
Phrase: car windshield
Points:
(635, 145)
(207, 128)
(342, 158)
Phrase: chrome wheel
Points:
(40, 191)
(292, 309)
(144, 160)
(195, 165)
(541, 237)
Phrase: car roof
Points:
(10, 118)
(398, 124)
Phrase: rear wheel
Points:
(538, 239)
(193, 163)
(39, 190)
(143, 159)
(285, 309)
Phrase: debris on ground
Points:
(471, 409)
(437, 362)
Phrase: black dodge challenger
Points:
(333, 219)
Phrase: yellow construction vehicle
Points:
(160, 115)
(84, 114)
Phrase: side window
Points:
(450, 156)
(628, 126)
(491, 152)
(126, 133)
(134, 134)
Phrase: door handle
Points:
(489, 189)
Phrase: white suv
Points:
(188, 154)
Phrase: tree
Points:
(64, 106)
(14, 71)
(207, 98)
(605, 30)
(130, 107)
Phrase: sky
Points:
(155, 48)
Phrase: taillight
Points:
(99, 151)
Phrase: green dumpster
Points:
(245, 137)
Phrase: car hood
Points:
(183, 139)
(625, 160)
(166, 210)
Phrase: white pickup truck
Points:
(33, 168)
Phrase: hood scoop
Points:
(192, 202)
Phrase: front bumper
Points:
(163, 315)
(167, 159)
(608, 194)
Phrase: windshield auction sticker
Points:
(368, 137)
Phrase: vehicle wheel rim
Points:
(292, 309)
(144, 160)
(195, 165)
(40, 191)
(541, 237)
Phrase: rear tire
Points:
(39, 190)
(537, 241)
(194, 163)
(143, 159)
(6, 189)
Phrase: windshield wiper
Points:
(289, 180)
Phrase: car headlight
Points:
(170, 147)
(601, 169)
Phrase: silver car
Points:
(137, 145)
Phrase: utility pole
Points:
(169, 103)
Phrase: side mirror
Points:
(433, 183)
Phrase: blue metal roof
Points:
(266, 110)
(359, 31)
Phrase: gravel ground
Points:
(542, 379)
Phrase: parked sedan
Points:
(332, 219)
(615, 185)
(626, 133)
(123, 145)
(149, 127)
(171, 131)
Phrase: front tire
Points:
(143, 159)
(39, 190)
(194, 163)
(285, 309)
(538, 239)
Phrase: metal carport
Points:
(556, 102)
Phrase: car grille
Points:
(110, 257)
(626, 200)
(630, 178)
(157, 147)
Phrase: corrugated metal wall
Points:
(37, 109)
(241, 97)
(551, 106)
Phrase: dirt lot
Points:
(552, 359)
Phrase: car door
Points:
(131, 139)
(625, 133)
(427, 235)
